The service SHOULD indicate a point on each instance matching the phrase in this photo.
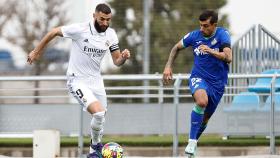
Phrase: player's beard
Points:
(205, 34)
(99, 28)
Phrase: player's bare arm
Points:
(119, 58)
(225, 56)
(167, 73)
(38, 51)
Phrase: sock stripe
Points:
(198, 109)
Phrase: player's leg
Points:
(197, 114)
(198, 88)
(203, 126)
(209, 110)
(84, 95)
(97, 125)
(214, 97)
(97, 122)
(98, 111)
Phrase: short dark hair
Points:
(104, 8)
(205, 15)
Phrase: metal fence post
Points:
(176, 104)
(146, 45)
(272, 109)
(81, 138)
(160, 102)
(160, 92)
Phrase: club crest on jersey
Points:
(107, 43)
(214, 41)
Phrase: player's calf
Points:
(97, 124)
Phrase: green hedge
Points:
(149, 140)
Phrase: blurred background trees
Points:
(26, 22)
(30, 21)
(7, 9)
(170, 21)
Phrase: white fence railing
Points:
(52, 90)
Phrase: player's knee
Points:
(202, 103)
(201, 98)
(95, 107)
(98, 120)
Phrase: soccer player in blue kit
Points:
(212, 53)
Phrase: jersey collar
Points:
(213, 34)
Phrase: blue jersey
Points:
(206, 66)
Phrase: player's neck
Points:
(213, 34)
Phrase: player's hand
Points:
(205, 48)
(32, 56)
(167, 76)
(125, 54)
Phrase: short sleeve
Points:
(71, 31)
(114, 38)
(225, 38)
(187, 40)
(114, 41)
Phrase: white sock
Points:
(97, 124)
(193, 140)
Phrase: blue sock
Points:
(196, 121)
(203, 126)
(201, 129)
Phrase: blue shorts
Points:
(214, 93)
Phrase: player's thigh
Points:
(199, 90)
(98, 90)
(102, 98)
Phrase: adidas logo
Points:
(86, 40)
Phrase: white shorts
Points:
(87, 90)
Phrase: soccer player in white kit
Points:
(90, 42)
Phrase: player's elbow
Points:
(56, 32)
(228, 59)
(117, 63)
(228, 55)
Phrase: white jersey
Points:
(88, 48)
